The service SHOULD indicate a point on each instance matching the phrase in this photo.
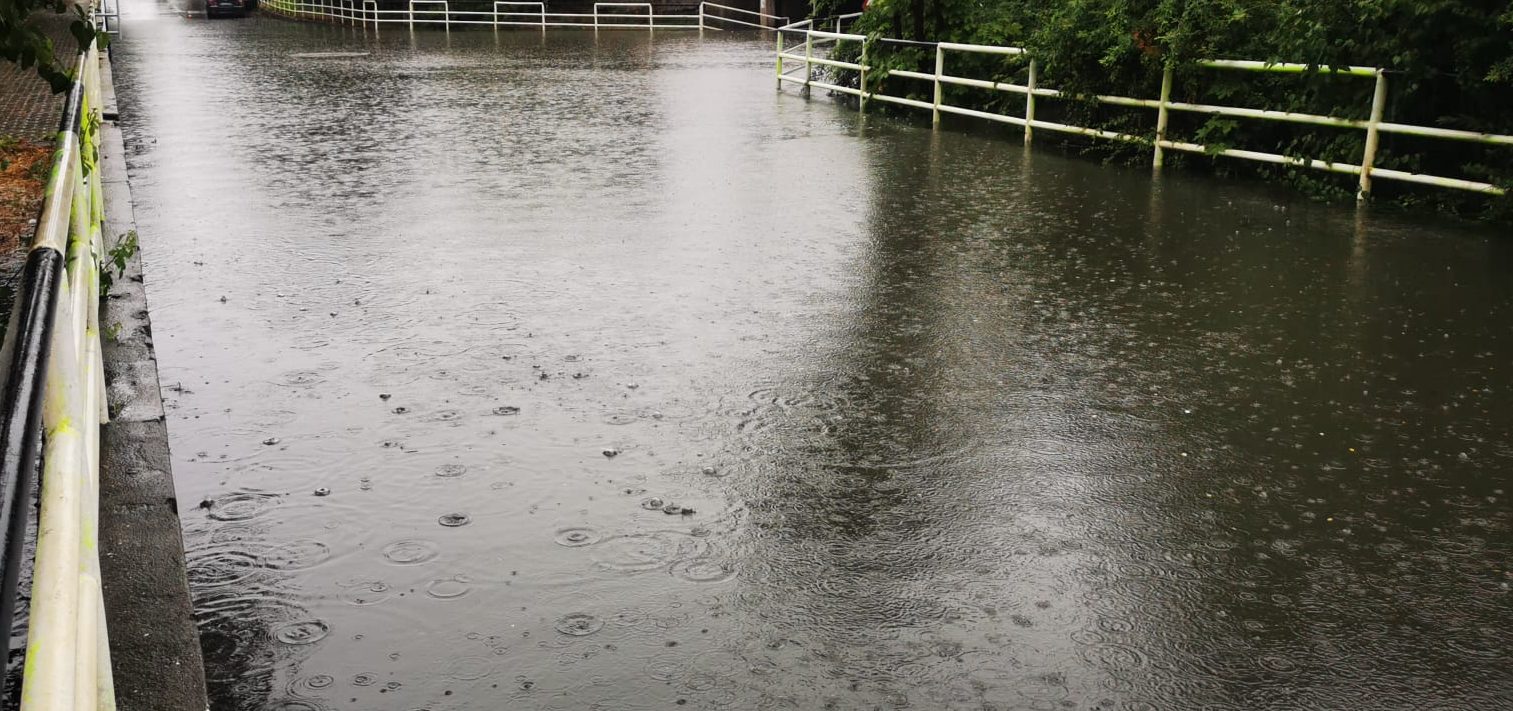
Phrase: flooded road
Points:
(571, 373)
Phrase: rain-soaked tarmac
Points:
(570, 373)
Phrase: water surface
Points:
(564, 372)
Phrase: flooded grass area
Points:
(563, 372)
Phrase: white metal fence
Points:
(817, 43)
(605, 15)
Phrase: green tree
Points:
(22, 41)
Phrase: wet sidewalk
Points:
(29, 109)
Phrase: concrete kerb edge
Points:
(155, 645)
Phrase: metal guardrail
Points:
(1366, 170)
(107, 16)
(54, 395)
(605, 15)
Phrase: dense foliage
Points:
(1451, 65)
(24, 41)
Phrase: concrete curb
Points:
(154, 644)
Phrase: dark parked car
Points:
(221, 8)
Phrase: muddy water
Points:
(569, 373)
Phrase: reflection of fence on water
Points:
(605, 15)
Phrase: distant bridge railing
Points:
(54, 395)
(800, 70)
(605, 15)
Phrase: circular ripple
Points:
(1048, 447)
(619, 417)
(301, 379)
(1279, 664)
(448, 588)
(704, 570)
(446, 416)
(636, 552)
(1087, 637)
(577, 537)
(298, 554)
(579, 624)
(1116, 659)
(364, 679)
(293, 706)
(666, 667)
(453, 520)
(302, 632)
(451, 471)
(241, 505)
(308, 686)
(365, 592)
(468, 668)
(410, 551)
(221, 568)
(235, 533)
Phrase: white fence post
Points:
(1373, 134)
(1161, 117)
(940, 69)
(808, 60)
(863, 83)
(1029, 103)
(780, 60)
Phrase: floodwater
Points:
(568, 372)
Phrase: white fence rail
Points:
(540, 13)
(605, 15)
(68, 652)
(1366, 171)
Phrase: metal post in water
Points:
(1373, 136)
(940, 68)
(808, 64)
(1029, 103)
(863, 103)
(1162, 115)
(780, 60)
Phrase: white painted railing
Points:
(1366, 170)
(446, 15)
(605, 15)
(540, 13)
(762, 21)
(68, 650)
(107, 14)
(623, 5)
